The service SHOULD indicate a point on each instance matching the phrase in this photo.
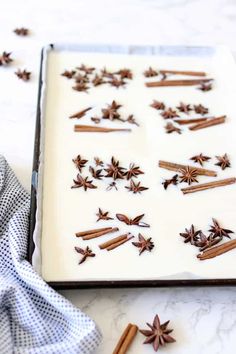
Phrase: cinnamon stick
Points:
(93, 231)
(101, 233)
(92, 129)
(182, 72)
(80, 114)
(117, 244)
(217, 250)
(176, 82)
(126, 339)
(191, 121)
(209, 185)
(113, 241)
(177, 167)
(208, 123)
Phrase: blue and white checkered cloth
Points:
(34, 319)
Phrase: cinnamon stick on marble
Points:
(93, 231)
(192, 121)
(126, 339)
(209, 185)
(101, 233)
(208, 123)
(79, 128)
(176, 82)
(182, 72)
(80, 114)
(217, 250)
(117, 244)
(114, 240)
(177, 167)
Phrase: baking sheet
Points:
(179, 262)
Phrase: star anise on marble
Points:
(136, 221)
(200, 159)
(144, 244)
(185, 108)
(23, 74)
(111, 186)
(173, 180)
(188, 175)
(88, 70)
(170, 128)
(79, 162)
(125, 73)
(205, 87)
(200, 109)
(190, 235)
(98, 162)
(96, 120)
(83, 182)
(81, 87)
(223, 161)
(103, 215)
(150, 72)
(98, 80)
(131, 120)
(157, 105)
(136, 187)
(114, 170)
(133, 171)
(69, 74)
(158, 334)
(114, 81)
(204, 242)
(217, 230)
(21, 31)
(106, 73)
(111, 111)
(81, 79)
(96, 173)
(5, 58)
(87, 252)
(169, 114)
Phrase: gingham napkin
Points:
(34, 319)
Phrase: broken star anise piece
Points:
(188, 175)
(204, 242)
(103, 215)
(158, 334)
(169, 114)
(173, 180)
(136, 187)
(23, 74)
(96, 120)
(87, 252)
(79, 162)
(200, 159)
(190, 235)
(185, 108)
(150, 72)
(68, 74)
(111, 186)
(111, 111)
(223, 161)
(143, 244)
(21, 31)
(136, 221)
(131, 120)
(133, 171)
(83, 182)
(125, 73)
(171, 128)
(5, 58)
(200, 109)
(98, 162)
(96, 173)
(114, 170)
(86, 69)
(158, 105)
(217, 230)
(205, 87)
(106, 73)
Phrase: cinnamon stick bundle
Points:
(182, 72)
(208, 123)
(80, 128)
(177, 167)
(176, 82)
(209, 185)
(93, 231)
(126, 339)
(80, 114)
(101, 233)
(217, 250)
(115, 242)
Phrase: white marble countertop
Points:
(204, 319)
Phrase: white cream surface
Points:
(66, 211)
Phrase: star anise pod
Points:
(103, 215)
(135, 187)
(111, 111)
(23, 74)
(150, 72)
(98, 80)
(79, 162)
(190, 235)
(217, 230)
(204, 242)
(223, 161)
(69, 74)
(98, 162)
(96, 120)
(88, 70)
(81, 86)
(133, 171)
(200, 109)
(143, 244)
(87, 252)
(158, 105)
(5, 58)
(132, 120)
(106, 73)
(200, 159)
(136, 221)
(114, 81)
(169, 113)
(83, 182)
(205, 87)
(185, 108)
(170, 128)
(81, 79)
(158, 335)
(111, 186)
(125, 74)
(114, 170)
(188, 175)
(173, 180)
(21, 31)
(96, 173)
